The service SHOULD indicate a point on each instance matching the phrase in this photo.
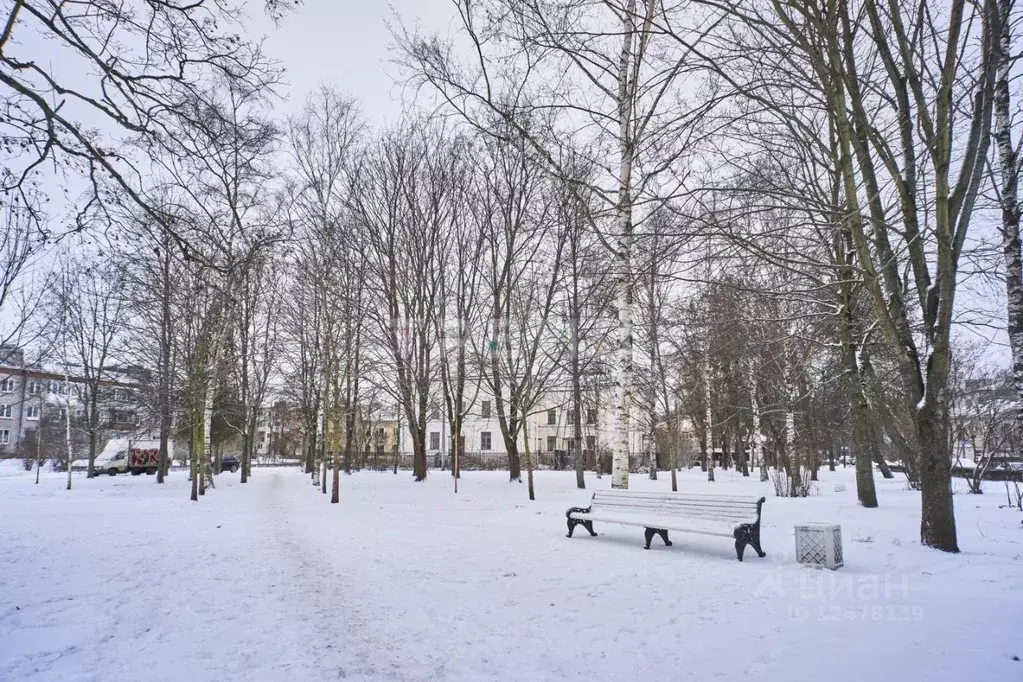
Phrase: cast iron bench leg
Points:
(649, 534)
(748, 534)
(572, 523)
(755, 540)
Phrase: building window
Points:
(484, 440)
(380, 433)
(591, 416)
(33, 387)
(435, 440)
(32, 412)
(485, 409)
(5, 436)
(7, 385)
(5, 411)
(552, 443)
(570, 444)
(591, 443)
(552, 417)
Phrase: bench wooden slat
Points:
(735, 519)
(691, 503)
(685, 510)
(687, 495)
(665, 524)
(672, 504)
(706, 526)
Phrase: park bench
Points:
(705, 514)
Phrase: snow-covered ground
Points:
(121, 579)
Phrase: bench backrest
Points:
(724, 508)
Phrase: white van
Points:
(122, 455)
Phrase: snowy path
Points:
(125, 580)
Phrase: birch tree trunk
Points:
(756, 437)
(39, 441)
(793, 470)
(67, 427)
(623, 256)
(207, 442)
(673, 457)
(1008, 185)
(708, 413)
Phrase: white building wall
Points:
(541, 434)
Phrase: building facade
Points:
(32, 396)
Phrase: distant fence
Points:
(559, 460)
(993, 473)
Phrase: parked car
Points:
(229, 463)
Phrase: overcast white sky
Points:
(346, 44)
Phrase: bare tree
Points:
(258, 306)
(525, 253)
(400, 203)
(127, 74)
(23, 237)
(597, 70)
(90, 304)
(460, 316)
(324, 141)
(982, 410)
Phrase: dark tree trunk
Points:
(863, 427)
(93, 416)
(864, 445)
(514, 462)
(419, 454)
(886, 471)
(743, 456)
(937, 520)
(193, 464)
(165, 368)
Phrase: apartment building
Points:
(31, 394)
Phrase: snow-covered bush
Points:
(790, 486)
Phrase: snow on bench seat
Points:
(700, 513)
